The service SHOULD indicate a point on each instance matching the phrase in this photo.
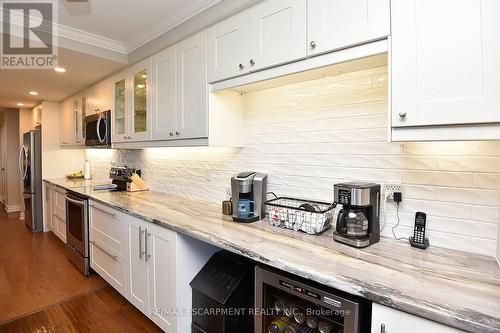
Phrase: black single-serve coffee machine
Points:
(358, 222)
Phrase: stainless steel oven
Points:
(285, 300)
(77, 231)
(98, 130)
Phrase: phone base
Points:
(419, 245)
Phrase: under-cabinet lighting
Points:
(34, 93)
(60, 69)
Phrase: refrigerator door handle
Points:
(20, 163)
(26, 160)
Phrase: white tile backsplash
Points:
(310, 135)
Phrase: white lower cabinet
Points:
(138, 267)
(162, 295)
(58, 210)
(150, 265)
(108, 245)
(387, 320)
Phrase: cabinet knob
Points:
(177, 133)
(171, 133)
(382, 328)
(312, 44)
(402, 114)
(252, 62)
(241, 66)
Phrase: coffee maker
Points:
(248, 195)
(358, 222)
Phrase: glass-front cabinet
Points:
(119, 111)
(132, 109)
(140, 105)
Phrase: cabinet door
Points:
(162, 279)
(106, 101)
(67, 122)
(108, 250)
(60, 203)
(445, 71)
(137, 266)
(277, 33)
(140, 115)
(396, 321)
(80, 113)
(119, 123)
(48, 205)
(334, 24)
(228, 47)
(164, 113)
(192, 87)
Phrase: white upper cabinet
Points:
(445, 62)
(141, 101)
(133, 103)
(192, 87)
(277, 33)
(228, 47)
(164, 112)
(335, 24)
(119, 124)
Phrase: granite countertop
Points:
(454, 288)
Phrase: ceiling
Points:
(95, 37)
(82, 71)
(129, 22)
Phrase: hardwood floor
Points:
(104, 310)
(41, 290)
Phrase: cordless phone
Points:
(418, 239)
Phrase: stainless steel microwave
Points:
(98, 130)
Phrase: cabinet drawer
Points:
(105, 226)
(109, 264)
(60, 228)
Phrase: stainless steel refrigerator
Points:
(30, 167)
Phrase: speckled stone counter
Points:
(451, 287)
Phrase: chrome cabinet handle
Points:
(312, 44)
(171, 133)
(402, 114)
(146, 235)
(102, 210)
(103, 250)
(382, 328)
(241, 66)
(252, 62)
(140, 242)
(177, 133)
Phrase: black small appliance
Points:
(358, 222)
(223, 295)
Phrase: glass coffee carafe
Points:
(352, 222)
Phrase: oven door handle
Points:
(76, 202)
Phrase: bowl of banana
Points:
(75, 175)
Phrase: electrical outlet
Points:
(389, 190)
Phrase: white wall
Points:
(56, 162)
(311, 135)
(13, 179)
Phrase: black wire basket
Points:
(312, 217)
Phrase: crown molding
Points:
(63, 31)
(91, 39)
(166, 26)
